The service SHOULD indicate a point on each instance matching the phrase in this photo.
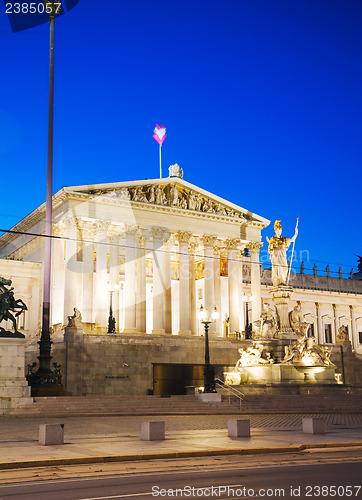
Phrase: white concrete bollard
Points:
(51, 434)
(239, 428)
(153, 431)
(313, 425)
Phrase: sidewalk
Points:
(112, 439)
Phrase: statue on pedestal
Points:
(342, 335)
(9, 305)
(267, 325)
(75, 321)
(297, 322)
(278, 246)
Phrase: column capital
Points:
(131, 229)
(352, 308)
(69, 221)
(254, 246)
(232, 244)
(208, 240)
(113, 236)
(101, 226)
(193, 247)
(158, 233)
(58, 230)
(183, 236)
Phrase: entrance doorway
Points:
(171, 379)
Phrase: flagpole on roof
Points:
(160, 162)
(160, 135)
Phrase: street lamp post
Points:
(111, 318)
(248, 327)
(209, 370)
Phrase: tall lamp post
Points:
(248, 329)
(111, 318)
(209, 370)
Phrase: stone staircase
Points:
(189, 405)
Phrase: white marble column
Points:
(70, 277)
(141, 286)
(158, 281)
(192, 283)
(114, 244)
(88, 267)
(335, 324)
(217, 292)
(320, 332)
(130, 298)
(166, 273)
(209, 292)
(354, 333)
(58, 275)
(254, 248)
(235, 287)
(101, 295)
(183, 238)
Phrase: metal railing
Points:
(231, 391)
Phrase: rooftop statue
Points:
(278, 246)
(8, 306)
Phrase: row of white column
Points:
(95, 294)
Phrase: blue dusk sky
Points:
(261, 99)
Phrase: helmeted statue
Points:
(278, 246)
(8, 305)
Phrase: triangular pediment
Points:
(172, 192)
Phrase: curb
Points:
(181, 454)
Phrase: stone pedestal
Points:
(313, 425)
(209, 397)
(14, 389)
(281, 296)
(153, 431)
(73, 337)
(239, 428)
(51, 434)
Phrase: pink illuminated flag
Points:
(160, 134)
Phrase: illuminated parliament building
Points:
(135, 261)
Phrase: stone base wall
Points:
(116, 364)
(14, 389)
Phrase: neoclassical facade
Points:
(159, 249)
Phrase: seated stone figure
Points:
(342, 335)
(75, 321)
(300, 327)
(267, 326)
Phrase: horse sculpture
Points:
(8, 304)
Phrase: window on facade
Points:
(360, 337)
(328, 333)
(310, 332)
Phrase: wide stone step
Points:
(189, 405)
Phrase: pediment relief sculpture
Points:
(172, 196)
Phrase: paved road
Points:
(339, 479)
